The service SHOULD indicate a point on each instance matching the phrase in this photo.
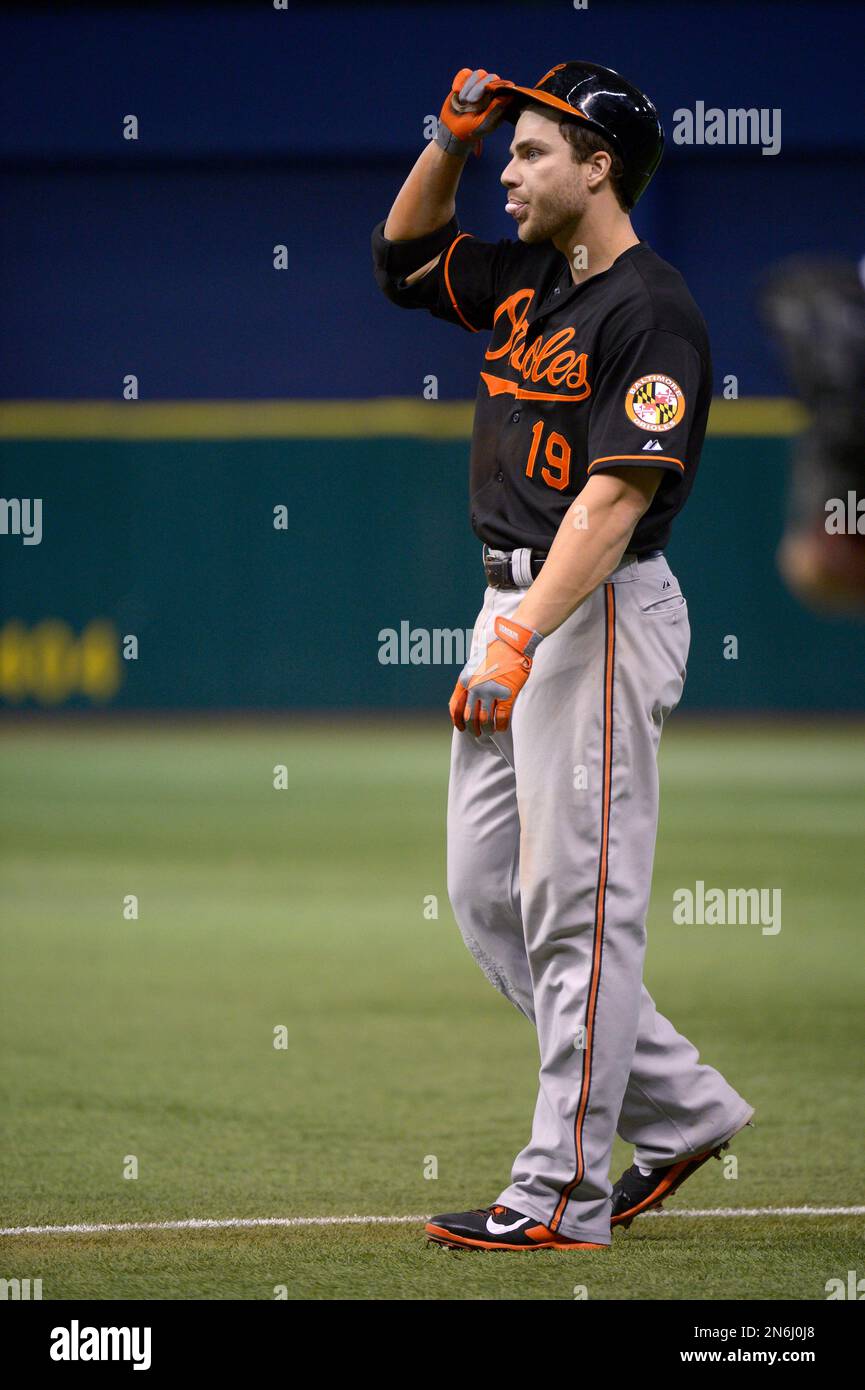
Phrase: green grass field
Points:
(304, 908)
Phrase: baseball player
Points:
(591, 410)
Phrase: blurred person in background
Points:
(814, 308)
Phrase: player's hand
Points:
(473, 108)
(483, 701)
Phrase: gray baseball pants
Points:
(551, 840)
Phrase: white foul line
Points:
(248, 1223)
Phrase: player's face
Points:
(546, 187)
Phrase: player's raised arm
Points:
(422, 222)
(426, 200)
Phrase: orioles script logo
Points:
(547, 360)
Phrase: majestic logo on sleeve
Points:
(545, 363)
(655, 402)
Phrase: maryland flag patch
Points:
(655, 402)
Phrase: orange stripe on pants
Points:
(600, 903)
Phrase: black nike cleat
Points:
(498, 1228)
(635, 1192)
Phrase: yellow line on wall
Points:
(756, 415)
(267, 419)
(280, 419)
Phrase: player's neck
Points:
(595, 241)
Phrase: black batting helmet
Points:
(613, 107)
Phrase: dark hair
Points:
(584, 142)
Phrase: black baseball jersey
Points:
(576, 379)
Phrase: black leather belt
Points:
(515, 569)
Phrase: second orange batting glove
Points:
(482, 702)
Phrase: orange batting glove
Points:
(473, 108)
(482, 702)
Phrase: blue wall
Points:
(260, 127)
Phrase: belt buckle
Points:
(497, 566)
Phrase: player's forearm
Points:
(578, 561)
(426, 200)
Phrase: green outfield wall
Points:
(333, 573)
